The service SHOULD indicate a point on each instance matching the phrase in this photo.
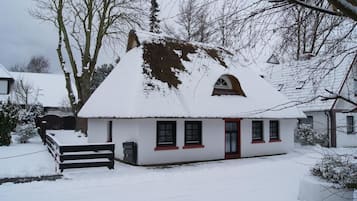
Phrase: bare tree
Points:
(83, 27)
(154, 20)
(308, 33)
(346, 8)
(24, 93)
(38, 64)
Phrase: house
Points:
(47, 89)
(182, 102)
(6, 82)
(307, 82)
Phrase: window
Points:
(223, 83)
(280, 87)
(166, 133)
(4, 86)
(300, 84)
(227, 85)
(110, 131)
(257, 131)
(193, 132)
(350, 125)
(274, 130)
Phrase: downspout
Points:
(328, 127)
(333, 127)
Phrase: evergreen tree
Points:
(154, 20)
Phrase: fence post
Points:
(43, 131)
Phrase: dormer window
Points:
(223, 83)
(280, 87)
(227, 85)
(300, 84)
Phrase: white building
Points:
(6, 82)
(307, 82)
(182, 102)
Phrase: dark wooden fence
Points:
(81, 156)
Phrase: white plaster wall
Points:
(249, 149)
(320, 121)
(124, 130)
(212, 139)
(342, 138)
(97, 130)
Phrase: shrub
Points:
(8, 120)
(306, 135)
(25, 132)
(26, 127)
(337, 169)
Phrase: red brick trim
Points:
(193, 146)
(258, 141)
(275, 140)
(166, 148)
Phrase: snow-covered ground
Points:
(273, 178)
(68, 137)
(23, 160)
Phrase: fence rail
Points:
(81, 156)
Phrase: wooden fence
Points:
(81, 156)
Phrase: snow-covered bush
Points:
(26, 127)
(8, 120)
(306, 135)
(25, 132)
(338, 169)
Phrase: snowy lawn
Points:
(24, 160)
(274, 178)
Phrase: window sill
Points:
(193, 146)
(275, 140)
(163, 148)
(258, 141)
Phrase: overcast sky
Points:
(22, 36)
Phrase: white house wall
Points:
(320, 121)
(123, 130)
(342, 138)
(97, 130)
(212, 139)
(250, 149)
(143, 131)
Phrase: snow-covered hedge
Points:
(25, 131)
(8, 120)
(338, 169)
(26, 127)
(306, 135)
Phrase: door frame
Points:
(239, 142)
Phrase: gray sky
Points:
(22, 36)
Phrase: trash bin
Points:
(130, 150)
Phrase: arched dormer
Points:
(227, 85)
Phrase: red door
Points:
(232, 138)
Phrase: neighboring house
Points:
(306, 82)
(182, 102)
(6, 82)
(47, 89)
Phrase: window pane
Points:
(166, 133)
(193, 132)
(350, 124)
(274, 129)
(257, 130)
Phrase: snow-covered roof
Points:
(163, 77)
(4, 73)
(305, 81)
(47, 89)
